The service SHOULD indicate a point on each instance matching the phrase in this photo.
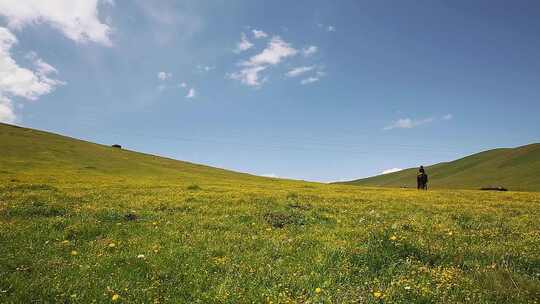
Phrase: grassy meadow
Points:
(84, 223)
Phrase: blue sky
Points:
(315, 90)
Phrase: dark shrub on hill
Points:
(281, 219)
(130, 217)
(117, 146)
(193, 187)
(494, 189)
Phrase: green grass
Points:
(143, 229)
(517, 169)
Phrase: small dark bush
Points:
(292, 196)
(298, 206)
(281, 219)
(494, 189)
(193, 187)
(130, 217)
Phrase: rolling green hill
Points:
(31, 154)
(513, 168)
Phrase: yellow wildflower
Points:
(377, 294)
(115, 297)
(74, 252)
(112, 245)
(393, 238)
(318, 290)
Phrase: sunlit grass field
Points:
(96, 229)
(281, 243)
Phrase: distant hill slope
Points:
(514, 168)
(33, 153)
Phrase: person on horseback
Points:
(421, 179)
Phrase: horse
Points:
(421, 181)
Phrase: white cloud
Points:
(309, 80)
(318, 75)
(310, 50)
(42, 67)
(183, 84)
(448, 117)
(299, 71)
(244, 44)
(7, 115)
(249, 76)
(191, 93)
(391, 170)
(276, 51)
(16, 81)
(271, 175)
(19, 81)
(164, 75)
(407, 123)
(403, 123)
(76, 19)
(328, 28)
(259, 34)
(205, 68)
